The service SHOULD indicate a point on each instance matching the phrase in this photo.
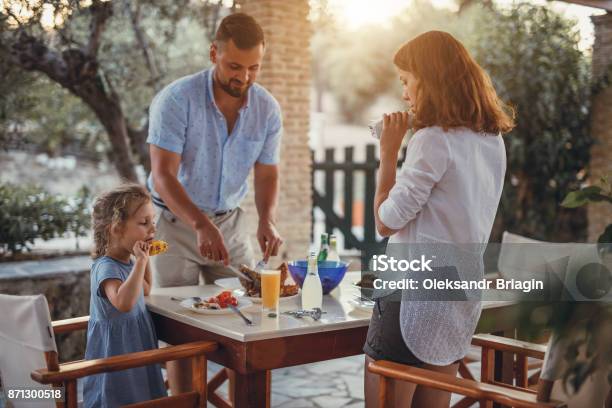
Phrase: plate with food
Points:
(218, 304)
(252, 289)
(366, 285)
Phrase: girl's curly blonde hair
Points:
(113, 208)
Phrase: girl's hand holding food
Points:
(141, 250)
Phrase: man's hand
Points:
(210, 242)
(269, 239)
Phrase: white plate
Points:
(228, 283)
(282, 299)
(361, 305)
(188, 304)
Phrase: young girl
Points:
(123, 224)
(446, 194)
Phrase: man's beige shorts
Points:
(182, 264)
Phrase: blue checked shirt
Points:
(184, 119)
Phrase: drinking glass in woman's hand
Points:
(376, 125)
(395, 126)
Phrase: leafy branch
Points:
(592, 194)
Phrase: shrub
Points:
(30, 212)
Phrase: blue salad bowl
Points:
(331, 273)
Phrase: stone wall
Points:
(286, 74)
(600, 215)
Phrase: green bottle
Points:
(324, 248)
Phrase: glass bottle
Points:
(312, 291)
(333, 250)
(324, 248)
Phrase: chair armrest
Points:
(512, 345)
(84, 368)
(70, 325)
(469, 388)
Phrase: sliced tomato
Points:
(224, 299)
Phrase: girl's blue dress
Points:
(111, 333)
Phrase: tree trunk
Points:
(80, 74)
(114, 123)
(138, 139)
(107, 108)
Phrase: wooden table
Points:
(252, 351)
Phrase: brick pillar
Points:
(286, 73)
(600, 215)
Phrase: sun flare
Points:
(359, 13)
(355, 14)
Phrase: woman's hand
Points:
(395, 126)
(141, 250)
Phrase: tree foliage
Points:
(92, 67)
(533, 58)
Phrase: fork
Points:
(239, 313)
(261, 265)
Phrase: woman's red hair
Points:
(453, 90)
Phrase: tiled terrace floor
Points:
(328, 384)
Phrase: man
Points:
(206, 132)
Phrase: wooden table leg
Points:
(252, 390)
(231, 389)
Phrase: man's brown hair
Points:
(241, 28)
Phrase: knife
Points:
(239, 274)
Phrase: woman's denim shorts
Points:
(384, 340)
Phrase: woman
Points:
(447, 192)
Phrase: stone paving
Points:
(328, 384)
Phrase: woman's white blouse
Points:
(447, 191)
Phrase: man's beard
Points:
(236, 92)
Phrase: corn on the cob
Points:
(157, 247)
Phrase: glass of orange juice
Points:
(270, 292)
